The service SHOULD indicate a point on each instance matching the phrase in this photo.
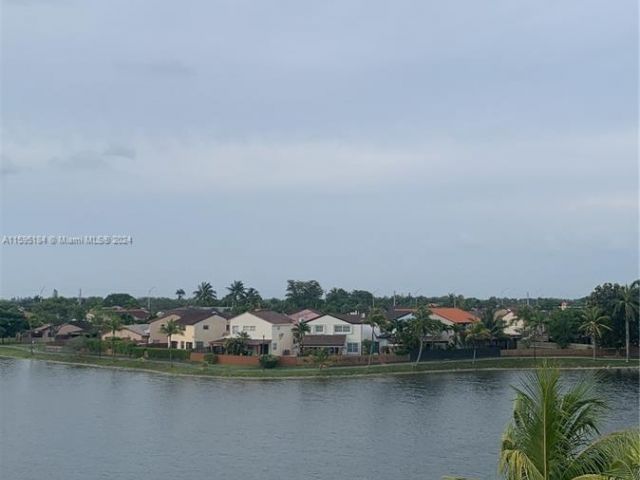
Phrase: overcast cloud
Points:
(432, 146)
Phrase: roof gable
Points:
(190, 315)
(347, 318)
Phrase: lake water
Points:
(78, 423)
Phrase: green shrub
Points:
(210, 358)
(268, 361)
(138, 352)
(163, 354)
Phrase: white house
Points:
(340, 334)
(269, 332)
(201, 326)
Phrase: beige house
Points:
(201, 326)
(269, 332)
(138, 333)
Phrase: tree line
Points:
(613, 310)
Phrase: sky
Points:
(424, 147)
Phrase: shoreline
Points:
(304, 373)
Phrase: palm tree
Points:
(170, 329)
(627, 303)
(204, 295)
(236, 292)
(423, 325)
(375, 319)
(299, 331)
(180, 293)
(534, 322)
(113, 322)
(594, 323)
(552, 435)
(478, 333)
(253, 298)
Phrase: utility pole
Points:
(149, 299)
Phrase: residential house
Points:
(74, 328)
(450, 317)
(44, 334)
(341, 334)
(201, 326)
(137, 332)
(269, 332)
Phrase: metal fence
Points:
(458, 354)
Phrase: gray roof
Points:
(139, 328)
(191, 315)
(272, 317)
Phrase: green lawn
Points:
(183, 368)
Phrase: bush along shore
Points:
(265, 371)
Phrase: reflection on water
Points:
(65, 422)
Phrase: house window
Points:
(182, 345)
(352, 348)
(235, 329)
(199, 345)
(318, 328)
(342, 329)
(189, 346)
(274, 346)
(205, 327)
(249, 328)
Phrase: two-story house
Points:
(269, 332)
(201, 326)
(341, 334)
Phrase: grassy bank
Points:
(227, 371)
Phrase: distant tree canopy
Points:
(563, 326)
(120, 300)
(304, 294)
(606, 298)
(12, 320)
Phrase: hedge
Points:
(268, 361)
(160, 353)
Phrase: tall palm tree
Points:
(170, 329)
(299, 331)
(422, 325)
(204, 295)
(627, 303)
(236, 292)
(253, 298)
(113, 322)
(376, 319)
(478, 333)
(553, 434)
(180, 293)
(594, 323)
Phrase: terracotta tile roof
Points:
(272, 317)
(455, 315)
(324, 340)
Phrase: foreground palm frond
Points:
(551, 436)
